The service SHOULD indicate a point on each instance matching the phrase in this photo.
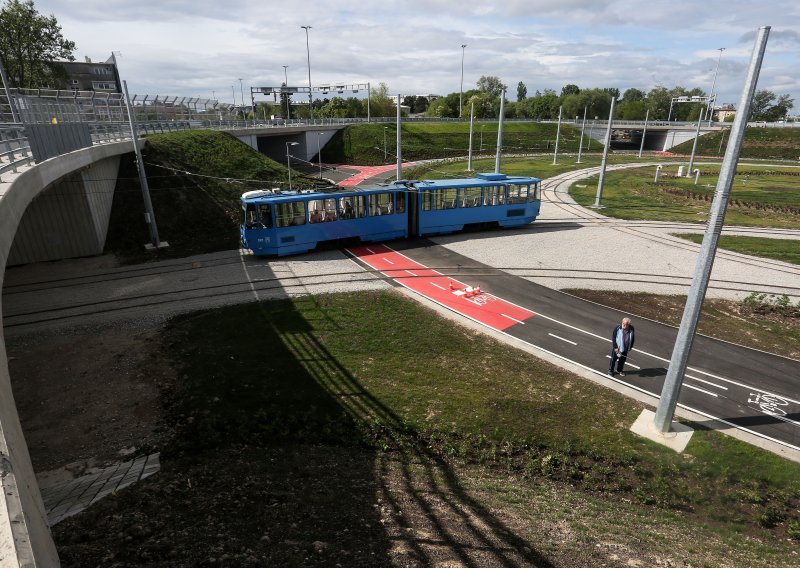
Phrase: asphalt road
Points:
(742, 387)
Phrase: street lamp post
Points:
(385, 128)
(286, 84)
(308, 56)
(288, 163)
(482, 127)
(461, 91)
(709, 109)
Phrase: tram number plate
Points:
(769, 403)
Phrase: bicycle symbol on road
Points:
(769, 403)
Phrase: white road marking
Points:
(370, 251)
(411, 273)
(706, 382)
(387, 260)
(688, 386)
(561, 338)
(627, 363)
(435, 284)
(512, 319)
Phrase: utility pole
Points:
(471, 120)
(399, 149)
(286, 91)
(580, 144)
(149, 216)
(461, 91)
(644, 132)
(500, 133)
(558, 133)
(308, 56)
(605, 154)
(705, 261)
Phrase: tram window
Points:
(534, 194)
(352, 207)
(446, 198)
(517, 193)
(291, 213)
(495, 195)
(380, 204)
(265, 215)
(470, 197)
(249, 218)
(330, 209)
(316, 212)
(401, 201)
(427, 200)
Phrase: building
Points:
(88, 76)
(724, 111)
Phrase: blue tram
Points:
(280, 222)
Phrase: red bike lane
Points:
(459, 297)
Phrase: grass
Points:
(758, 143)
(195, 213)
(767, 197)
(364, 143)
(785, 250)
(379, 371)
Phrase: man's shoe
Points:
(621, 374)
(611, 373)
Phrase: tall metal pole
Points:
(500, 133)
(471, 121)
(11, 103)
(709, 108)
(369, 94)
(288, 163)
(605, 154)
(580, 144)
(233, 94)
(461, 91)
(319, 155)
(150, 215)
(558, 133)
(694, 145)
(705, 260)
(286, 84)
(241, 91)
(385, 128)
(644, 132)
(399, 150)
(308, 56)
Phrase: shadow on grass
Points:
(282, 456)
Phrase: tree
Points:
(570, 90)
(522, 91)
(762, 107)
(30, 45)
(380, 103)
(491, 85)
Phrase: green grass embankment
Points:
(196, 179)
(758, 143)
(364, 143)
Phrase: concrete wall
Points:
(25, 538)
(70, 218)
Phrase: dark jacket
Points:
(631, 337)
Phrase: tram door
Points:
(412, 202)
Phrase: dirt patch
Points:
(88, 397)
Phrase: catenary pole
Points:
(580, 144)
(694, 145)
(558, 133)
(150, 216)
(500, 133)
(605, 154)
(471, 122)
(705, 260)
(644, 132)
(399, 150)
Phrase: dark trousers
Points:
(617, 361)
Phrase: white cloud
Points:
(194, 47)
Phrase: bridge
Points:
(74, 163)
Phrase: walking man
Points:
(621, 344)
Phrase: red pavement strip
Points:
(367, 172)
(477, 305)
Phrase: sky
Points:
(201, 48)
